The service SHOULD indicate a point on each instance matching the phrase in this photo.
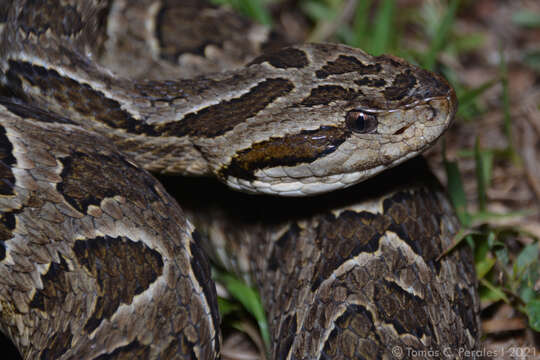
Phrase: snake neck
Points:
(302, 120)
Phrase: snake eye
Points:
(361, 122)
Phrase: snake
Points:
(347, 243)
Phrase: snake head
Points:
(343, 116)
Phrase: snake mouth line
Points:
(303, 187)
(402, 130)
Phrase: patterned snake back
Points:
(97, 260)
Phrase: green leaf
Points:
(439, 41)
(484, 267)
(502, 254)
(482, 248)
(527, 294)
(491, 292)
(250, 299)
(527, 256)
(533, 311)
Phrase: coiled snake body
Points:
(97, 261)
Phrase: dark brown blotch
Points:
(7, 161)
(402, 85)
(355, 323)
(433, 85)
(211, 121)
(391, 60)
(7, 225)
(416, 220)
(88, 178)
(170, 90)
(123, 268)
(371, 82)
(30, 112)
(283, 246)
(217, 119)
(56, 286)
(347, 64)
(406, 312)
(306, 146)
(179, 347)
(80, 97)
(325, 94)
(58, 344)
(284, 59)
(339, 239)
(133, 350)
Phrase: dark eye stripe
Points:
(306, 146)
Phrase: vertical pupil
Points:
(360, 122)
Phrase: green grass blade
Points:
(494, 293)
(250, 299)
(483, 217)
(468, 97)
(360, 25)
(484, 161)
(317, 11)
(461, 235)
(438, 42)
(254, 9)
(257, 11)
(457, 192)
(384, 28)
(226, 307)
(468, 42)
